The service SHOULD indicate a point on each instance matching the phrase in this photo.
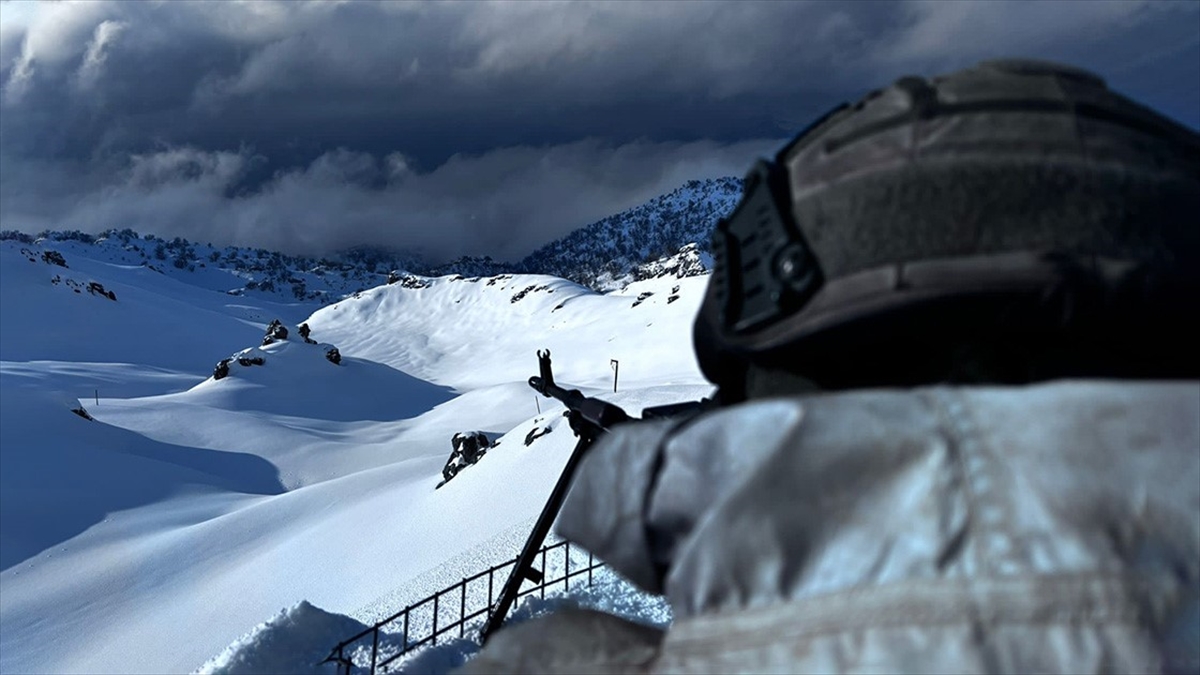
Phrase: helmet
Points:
(1011, 222)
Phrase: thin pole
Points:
(538, 404)
(374, 648)
(435, 616)
(462, 610)
(97, 397)
(616, 366)
(406, 609)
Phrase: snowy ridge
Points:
(690, 261)
(232, 270)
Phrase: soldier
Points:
(953, 331)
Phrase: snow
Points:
(462, 334)
(289, 643)
(297, 639)
(192, 509)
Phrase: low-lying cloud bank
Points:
(503, 203)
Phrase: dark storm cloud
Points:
(503, 203)
(474, 127)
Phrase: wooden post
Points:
(616, 366)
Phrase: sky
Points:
(477, 128)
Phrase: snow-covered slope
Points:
(475, 332)
(192, 509)
(151, 319)
(264, 275)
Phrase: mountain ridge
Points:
(604, 255)
(610, 251)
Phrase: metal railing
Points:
(425, 617)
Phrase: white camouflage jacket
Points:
(1050, 528)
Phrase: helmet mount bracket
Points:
(763, 268)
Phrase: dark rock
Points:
(96, 288)
(407, 280)
(467, 448)
(247, 361)
(334, 356)
(470, 445)
(221, 370)
(536, 433)
(275, 331)
(54, 258)
(304, 332)
(527, 290)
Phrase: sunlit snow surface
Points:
(192, 510)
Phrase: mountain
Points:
(603, 253)
(608, 253)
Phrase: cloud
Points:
(56, 35)
(459, 126)
(543, 59)
(214, 170)
(503, 203)
(97, 52)
(12, 36)
(936, 35)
